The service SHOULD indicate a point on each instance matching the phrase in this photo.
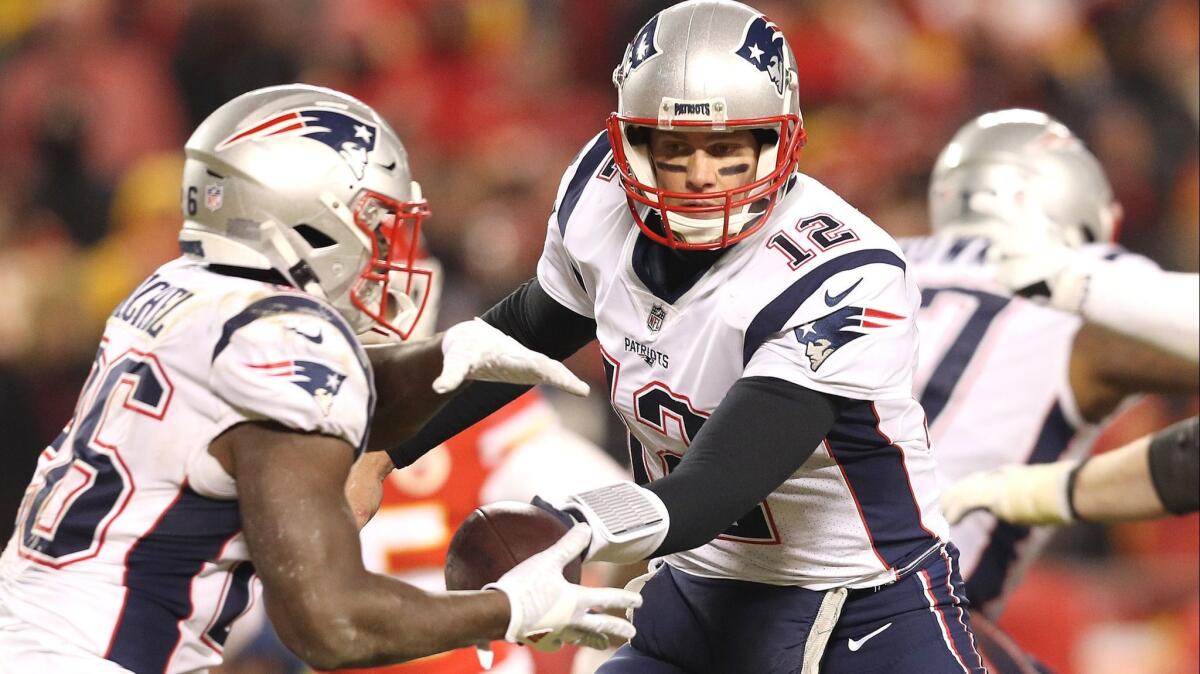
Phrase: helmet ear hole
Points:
(315, 237)
(765, 136)
(637, 135)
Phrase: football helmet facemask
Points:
(706, 65)
(314, 185)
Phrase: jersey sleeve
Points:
(853, 334)
(298, 369)
(559, 276)
(557, 271)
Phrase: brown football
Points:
(497, 537)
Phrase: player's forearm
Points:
(761, 434)
(405, 399)
(379, 620)
(1162, 308)
(1116, 486)
(537, 322)
(1151, 477)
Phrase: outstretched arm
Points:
(760, 434)
(302, 537)
(1153, 476)
(533, 319)
(333, 613)
(413, 380)
(1142, 301)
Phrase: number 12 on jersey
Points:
(822, 231)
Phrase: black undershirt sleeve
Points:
(1175, 466)
(529, 316)
(759, 435)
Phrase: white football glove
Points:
(548, 612)
(476, 350)
(1018, 494)
(1044, 269)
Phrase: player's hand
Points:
(1043, 269)
(1017, 494)
(548, 612)
(476, 350)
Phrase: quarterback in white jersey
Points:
(1004, 379)
(759, 339)
(227, 400)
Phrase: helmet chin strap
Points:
(296, 269)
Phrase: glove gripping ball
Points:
(497, 537)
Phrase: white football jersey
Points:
(993, 380)
(128, 541)
(819, 297)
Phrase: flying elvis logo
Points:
(763, 48)
(319, 381)
(350, 137)
(822, 337)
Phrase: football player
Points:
(1008, 380)
(759, 338)
(227, 401)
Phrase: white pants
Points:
(28, 649)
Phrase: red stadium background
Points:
(493, 97)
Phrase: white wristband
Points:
(628, 522)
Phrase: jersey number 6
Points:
(86, 483)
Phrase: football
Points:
(497, 537)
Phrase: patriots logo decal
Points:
(319, 381)
(642, 48)
(822, 337)
(763, 47)
(349, 136)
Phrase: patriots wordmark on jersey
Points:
(128, 545)
(820, 297)
(980, 345)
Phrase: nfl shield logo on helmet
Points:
(214, 196)
(655, 320)
(763, 47)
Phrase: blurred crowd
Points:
(494, 97)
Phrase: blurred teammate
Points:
(759, 338)
(1007, 380)
(227, 401)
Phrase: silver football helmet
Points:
(707, 65)
(315, 185)
(1002, 164)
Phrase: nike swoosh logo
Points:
(856, 644)
(831, 300)
(316, 339)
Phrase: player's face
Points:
(702, 161)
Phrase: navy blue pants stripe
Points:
(695, 625)
(950, 595)
(159, 571)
